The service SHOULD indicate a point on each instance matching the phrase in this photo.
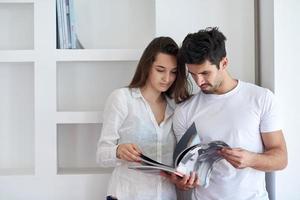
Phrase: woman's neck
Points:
(151, 95)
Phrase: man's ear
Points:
(223, 63)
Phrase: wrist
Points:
(254, 157)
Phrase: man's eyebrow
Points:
(198, 72)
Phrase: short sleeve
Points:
(179, 123)
(270, 119)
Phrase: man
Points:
(241, 114)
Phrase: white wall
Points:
(266, 44)
(287, 70)
(235, 19)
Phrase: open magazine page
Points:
(189, 138)
(201, 158)
(189, 156)
(151, 166)
(152, 162)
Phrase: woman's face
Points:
(163, 72)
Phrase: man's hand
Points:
(183, 183)
(273, 158)
(237, 157)
(129, 152)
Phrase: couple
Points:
(143, 118)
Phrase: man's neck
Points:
(227, 85)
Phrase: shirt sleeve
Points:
(114, 115)
(179, 123)
(270, 119)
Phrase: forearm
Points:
(275, 155)
(106, 156)
(271, 160)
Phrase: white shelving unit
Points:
(114, 24)
(17, 88)
(51, 112)
(79, 117)
(16, 118)
(98, 55)
(18, 32)
(65, 92)
(17, 56)
(17, 1)
(85, 85)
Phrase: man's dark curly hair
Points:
(207, 44)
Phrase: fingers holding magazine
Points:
(184, 182)
(188, 182)
(193, 181)
(129, 152)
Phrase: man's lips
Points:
(204, 85)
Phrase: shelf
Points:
(126, 24)
(17, 56)
(16, 171)
(17, 1)
(17, 118)
(98, 55)
(79, 117)
(16, 21)
(84, 86)
(66, 171)
(76, 148)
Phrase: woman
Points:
(138, 119)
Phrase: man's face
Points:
(207, 76)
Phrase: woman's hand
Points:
(183, 183)
(129, 152)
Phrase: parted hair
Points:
(166, 45)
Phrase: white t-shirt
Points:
(238, 118)
(128, 118)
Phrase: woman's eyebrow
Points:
(160, 66)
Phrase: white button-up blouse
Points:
(128, 118)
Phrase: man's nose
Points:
(199, 79)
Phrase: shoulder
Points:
(119, 95)
(171, 102)
(255, 90)
(190, 104)
(118, 101)
(250, 87)
(260, 96)
(116, 105)
(121, 91)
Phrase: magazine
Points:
(189, 156)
